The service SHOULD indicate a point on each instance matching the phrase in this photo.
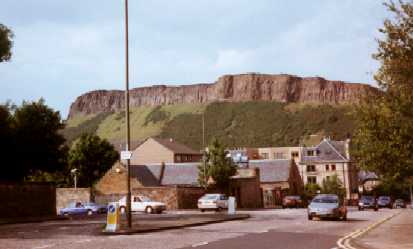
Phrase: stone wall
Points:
(27, 199)
(64, 196)
(188, 197)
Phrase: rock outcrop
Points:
(236, 88)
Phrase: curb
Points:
(31, 220)
(345, 242)
(158, 229)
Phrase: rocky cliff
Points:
(237, 88)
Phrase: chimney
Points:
(347, 148)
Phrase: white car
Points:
(140, 203)
(213, 202)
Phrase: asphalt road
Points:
(286, 229)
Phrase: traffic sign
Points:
(125, 155)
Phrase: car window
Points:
(325, 200)
(210, 197)
(79, 205)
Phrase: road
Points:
(284, 229)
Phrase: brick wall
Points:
(64, 196)
(27, 199)
(167, 195)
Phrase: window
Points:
(310, 168)
(294, 154)
(333, 167)
(310, 153)
(178, 158)
(311, 179)
(279, 155)
(264, 155)
(327, 167)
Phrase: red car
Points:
(292, 201)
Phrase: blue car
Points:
(77, 208)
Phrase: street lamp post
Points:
(128, 198)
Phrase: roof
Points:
(180, 174)
(326, 151)
(364, 176)
(272, 170)
(174, 174)
(176, 147)
(147, 176)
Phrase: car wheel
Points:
(344, 217)
(89, 212)
(376, 209)
(310, 217)
(149, 210)
(360, 208)
(202, 210)
(122, 210)
(66, 214)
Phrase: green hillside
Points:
(236, 124)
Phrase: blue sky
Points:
(65, 48)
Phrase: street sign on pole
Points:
(125, 155)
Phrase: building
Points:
(157, 150)
(278, 178)
(326, 159)
(277, 153)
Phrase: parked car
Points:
(96, 208)
(76, 208)
(399, 203)
(215, 202)
(384, 202)
(292, 201)
(140, 203)
(367, 201)
(327, 206)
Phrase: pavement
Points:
(395, 233)
(16, 220)
(265, 229)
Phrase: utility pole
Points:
(203, 150)
(128, 198)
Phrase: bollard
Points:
(231, 205)
(113, 218)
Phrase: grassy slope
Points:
(237, 124)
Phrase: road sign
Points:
(231, 205)
(125, 155)
(112, 222)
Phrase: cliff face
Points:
(237, 88)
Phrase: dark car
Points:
(367, 201)
(399, 203)
(78, 208)
(292, 201)
(384, 202)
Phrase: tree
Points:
(333, 185)
(6, 43)
(7, 144)
(383, 141)
(92, 157)
(311, 190)
(219, 167)
(38, 143)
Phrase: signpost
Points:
(112, 222)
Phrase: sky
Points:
(65, 48)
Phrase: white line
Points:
(44, 246)
(200, 244)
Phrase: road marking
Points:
(200, 244)
(344, 242)
(44, 246)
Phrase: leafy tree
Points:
(6, 42)
(384, 137)
(7, 144)
(311, 190)
(333, 185)
(92, 157)
(39, 146)
(219, 167)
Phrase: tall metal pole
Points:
(203, 148)
(128, 198)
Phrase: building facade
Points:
(156, 150)
(328, 158)
(278, 153)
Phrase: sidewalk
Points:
(16, 220)
(393, 234)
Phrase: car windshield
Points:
(293, 197)
(367, 198)
(209, 197)
(145, 199)
(325, 199)
(384, 198)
